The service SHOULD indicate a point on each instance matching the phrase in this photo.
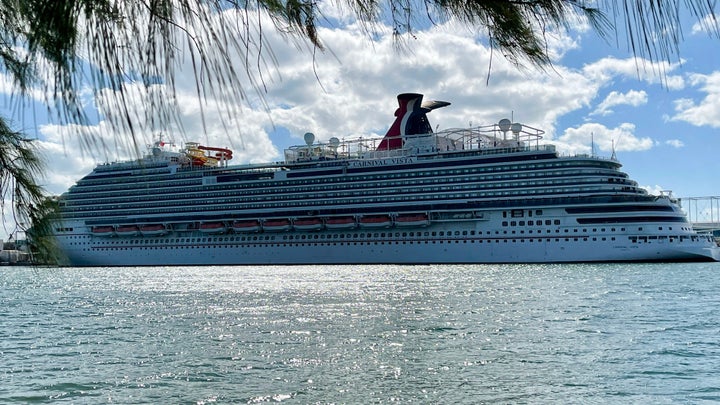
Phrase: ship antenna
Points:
(592, 144)
(613, 157)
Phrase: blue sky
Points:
(664, 126)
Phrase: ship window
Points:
(557, 222)
(538, 212)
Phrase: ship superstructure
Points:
(490, 194)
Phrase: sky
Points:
(660, 120)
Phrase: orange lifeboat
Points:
(246, 226)
(340, 223)
(412, 220)
(308, 224)
(277, 225)
(375, 221)
(103, 230)
(153, 230)
(212, 227)
(127, 230)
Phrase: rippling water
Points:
(361, 334)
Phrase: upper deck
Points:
(490, 139)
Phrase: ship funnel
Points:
(410, 119)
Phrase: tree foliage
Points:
(20, 170)
(62, 44)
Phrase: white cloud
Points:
(631, 68)
(621, 138)
(632, 98)
(675, 143)
(654, 190)
(705, 26)
(707, 111)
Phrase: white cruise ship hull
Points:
(490, 194)
(370, 254)
(395, 246)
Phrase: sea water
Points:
(578, 333)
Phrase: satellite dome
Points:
(504, 124)
(309, 138)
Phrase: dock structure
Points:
(703, 212)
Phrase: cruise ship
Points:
(488, 194)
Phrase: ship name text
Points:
(383, 162)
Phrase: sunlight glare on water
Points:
(359, 334)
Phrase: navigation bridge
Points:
(703, 212)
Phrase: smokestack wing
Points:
(433, 104)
